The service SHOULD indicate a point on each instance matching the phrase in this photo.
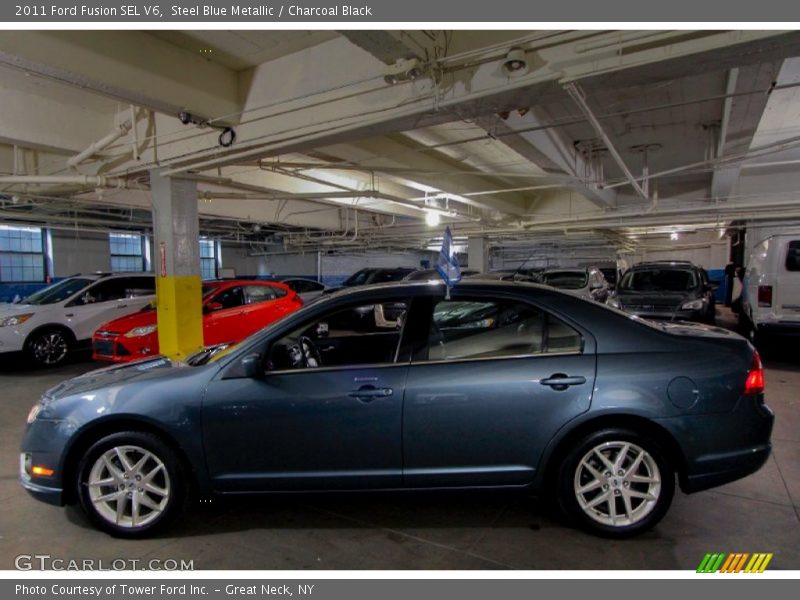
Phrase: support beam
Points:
(478, 254)
(177, 265)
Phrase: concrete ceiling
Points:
(323, 140)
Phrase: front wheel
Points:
(49, 348)
(616, 483)
(130, 484)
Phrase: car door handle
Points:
(560, 381)
(368, 393)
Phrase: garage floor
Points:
(418, 531)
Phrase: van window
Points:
(793, 256)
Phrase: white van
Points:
(771, 288)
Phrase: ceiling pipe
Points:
(121, 130)
(96, 181)
(576, 93)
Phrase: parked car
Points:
(307, 289)
(587, 282)
(372, 275)
(771, 288)
(507, 385)
(49, 323)
(232, 310)
(505, 276)
(433, 275)
(673, 290)
(612, 276)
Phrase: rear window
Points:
(566, 280)
(793, 256)
(658, 280)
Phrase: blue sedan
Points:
(394, 386)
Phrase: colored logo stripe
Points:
(734, 563)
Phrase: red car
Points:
(232, 310)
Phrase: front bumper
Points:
(50, 495)
(12, 339)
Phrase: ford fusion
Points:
(396, 386)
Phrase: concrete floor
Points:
(417, 531)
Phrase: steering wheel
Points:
(311, 355)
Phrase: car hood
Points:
(655, 297)
(9, 310)
(149, 368)
(125, 324)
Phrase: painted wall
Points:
(80, 252)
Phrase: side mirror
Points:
(251, 366)
(212, 307)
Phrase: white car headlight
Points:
(693, 304)
(613, 303)
(15, 320)
(34, 412)
(141, 331)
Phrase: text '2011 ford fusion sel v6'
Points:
(395, 387)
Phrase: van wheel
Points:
(615, 483)
(49, 347)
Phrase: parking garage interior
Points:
(207, 156)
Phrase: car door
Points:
(97, 304)
(224, 317)
(311, 422)
(495, 382)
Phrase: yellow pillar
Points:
(176, 263)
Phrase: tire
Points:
(139, 470)
(595, 496)
(49, 347)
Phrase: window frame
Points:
(42, 254)
(473, 296)
(401, 358)
(140, 255)
(789, 251)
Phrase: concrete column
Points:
(176, 262)
(478, 254)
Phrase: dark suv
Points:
(675, 290)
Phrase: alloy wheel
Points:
(617, 483)
(50, 348)
(129, 486)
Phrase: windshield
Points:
(566, 280)
(358, 278)
(58, 292)
(659, 280)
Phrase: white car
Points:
(49, 323)
(771, 287)
(307, 289)
(588, 282)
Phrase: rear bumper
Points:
(780, 328)
(721, 469)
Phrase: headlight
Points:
(693, 304)
(15, 320)
(141, 331)
(613, 303)
(34, 412)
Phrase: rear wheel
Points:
(49, 347)
(130, 484)
(615, 483)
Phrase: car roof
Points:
(223, 283)
(671, 264)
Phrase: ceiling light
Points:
(515, 64)
(673, 235)
(432, 218)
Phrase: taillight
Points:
(754, 384)
(765, 295)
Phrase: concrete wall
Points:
(80, 252)
(267, 262)
(711, 252)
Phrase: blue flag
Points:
(447, 263)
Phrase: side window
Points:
(359, 335)
(104, 291)
(793, 256)
(230, 298)
(138, 286)
(465, 329)
(259, 293)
